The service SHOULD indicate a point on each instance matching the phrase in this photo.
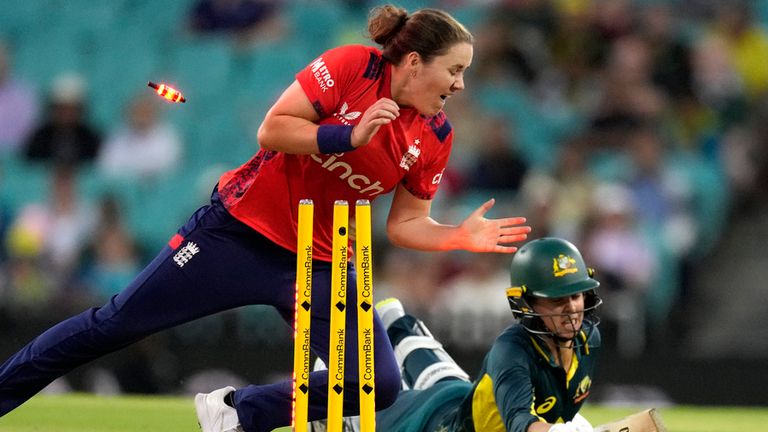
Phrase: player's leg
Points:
(423, 363)
(263, 408)
(422, 360)
(200, 274)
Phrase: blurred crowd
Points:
(634, 129)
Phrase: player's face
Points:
(436, 81)
(563, 316)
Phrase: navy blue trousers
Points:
(220, 264)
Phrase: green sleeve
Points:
(510, 369)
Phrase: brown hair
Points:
(429, 32)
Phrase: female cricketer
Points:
(357, 123)
(536, 375)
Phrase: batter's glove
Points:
(578, 424)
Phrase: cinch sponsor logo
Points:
(438, 177)
(321, 74)
(357, 182)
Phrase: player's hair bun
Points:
(385, 22)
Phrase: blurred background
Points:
(638, 129)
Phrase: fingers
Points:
(506, 222)
(513, 239)
(512, 231)
(383, 108)
(504, 249)
(382, 112)
(380, 121)
(503, 222)
(510, 234)
(483, 209)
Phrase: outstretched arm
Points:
(409, 225)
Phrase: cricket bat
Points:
(644, 421)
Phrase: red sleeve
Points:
(424, 181)
(332, 75)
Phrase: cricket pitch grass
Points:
(88, 413)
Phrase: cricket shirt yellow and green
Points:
(519, 383)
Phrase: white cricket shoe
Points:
(214, 415)
(389, 311)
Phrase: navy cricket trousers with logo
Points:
(220, 264)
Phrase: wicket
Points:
(303, 308)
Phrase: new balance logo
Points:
(185, 254)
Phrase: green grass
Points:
(690, 418)
(87, 413)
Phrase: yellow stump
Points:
(338, 315)
(302, 317)
(364, 264)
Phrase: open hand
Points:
(492, 235)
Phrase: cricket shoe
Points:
(390, 310)
(214, 415)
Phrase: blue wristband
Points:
(334, 139)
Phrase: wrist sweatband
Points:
(334, 139)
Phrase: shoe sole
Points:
(202, 408)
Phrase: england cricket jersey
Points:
(342, 83)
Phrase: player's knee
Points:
(387, 383)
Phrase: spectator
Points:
(65, 137)
(469, 304)
(745, 159)
(411, 275)
(498, 165)
(693, 124)
(626, 262)
(145, 147)
(627, 95)
(670, 56)
(664, 196)
(246, 20)
(747, 45)
(58, 228)
(115, 257)
(566, 193)
(716, 81)
(18, 106)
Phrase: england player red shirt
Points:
(342, 83)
